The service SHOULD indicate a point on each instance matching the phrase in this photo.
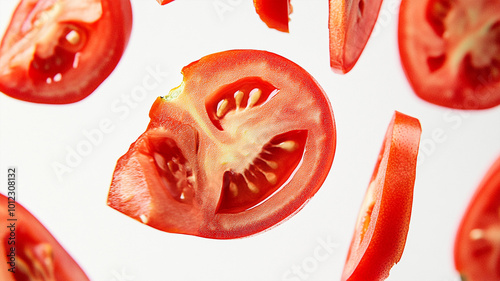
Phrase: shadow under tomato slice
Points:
(37, 254)
(383, 221)
(477, 244)
(242, 144)
(350, 25)
(59, 52)
(450, 51)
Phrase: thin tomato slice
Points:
(450, 51)
(477, 245)
(163, 2)
(59, 52)
(30, 251)
(274, 13)
(242, 144)
(383, 221)
(350, 23)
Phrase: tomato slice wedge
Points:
(450, 51)
(383, 221)
(29, 249)
(59, 52)
(242, 144)
(351, 23)
(163, 2)
(274, 13)
(477, 245)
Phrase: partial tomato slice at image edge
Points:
(450, 51)
(477, 244)
(350, 24)
(258, 142)
(37, 254)
(383, 221)
(275, 14)
(59, 52)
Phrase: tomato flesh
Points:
(477, 245)
(60, 51)
(383, 221)
(38, 256)
(245, 141)
(450, 51)
(350, 24)
(275, 14)
(163, 2)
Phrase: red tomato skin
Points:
(448, 88)
(201, 218)
(486, 200)
(274, 13)
(385, 237)
(28, 227)
(349, 33)
(97, 61)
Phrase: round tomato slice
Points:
(477, 245)
(242, 144)
(59, 52)
(29, 251)
(275, 13)
(450, 51)
(383, 221)
(351, 23)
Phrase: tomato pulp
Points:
(242, 144)
(350, 24)
(29, 250)
(450, 51)
(477, 245)
(383, 221)
(60, 51)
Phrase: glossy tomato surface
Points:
(450, 51)
(383, 221)
(477, 245)
(59, 52)
(274, 13)
(242, 144)
(350, 24)
(29, 251)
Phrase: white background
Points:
(110, 246)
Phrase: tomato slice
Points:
(274, 13)
(450, 51)
(383, 221)
(242, 144)
(477, 245)
(59, 52)
(163, 2)
(29, 249)
(350, 24)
